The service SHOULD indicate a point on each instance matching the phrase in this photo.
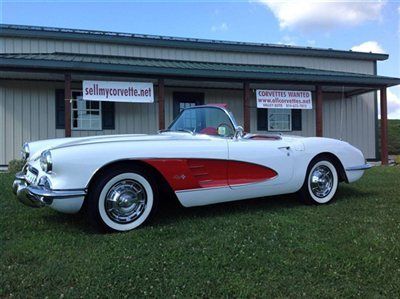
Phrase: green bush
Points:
(394, 136)
(15, 165)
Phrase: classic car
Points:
(203, 158)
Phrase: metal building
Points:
(42, 70)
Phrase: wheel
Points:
(122, 199)
(321, 182)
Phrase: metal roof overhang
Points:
(187, 70)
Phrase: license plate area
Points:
(30, 176)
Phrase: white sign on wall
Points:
(284, 99)
(114, 91)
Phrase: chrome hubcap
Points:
(126, 201)
(321, 181)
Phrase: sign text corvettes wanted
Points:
(203, 158)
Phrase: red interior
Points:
(209, 131)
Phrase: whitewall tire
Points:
(122, 200)
(321, 182)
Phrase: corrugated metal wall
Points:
(351, 120)
(27, 112)
(25, 45)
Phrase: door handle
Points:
(284, 147)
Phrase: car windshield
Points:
(204, 120)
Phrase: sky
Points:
(358, 25)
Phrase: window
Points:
(279, 119)
(85, 115)
(107, 112)
(263, 123)
(183, 105)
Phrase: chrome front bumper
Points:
(40, 196)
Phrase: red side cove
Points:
(184, 174)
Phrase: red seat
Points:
(209, 131)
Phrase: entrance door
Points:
(184, 100)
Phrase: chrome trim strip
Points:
(231, 187)
(203, 189)
(48, 193)
(20, 176)
(359, 167)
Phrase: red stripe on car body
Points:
(192, 173)
(240, 173)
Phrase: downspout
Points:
(377, 147)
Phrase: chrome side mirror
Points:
(239, 132)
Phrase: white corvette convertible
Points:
(203, 158)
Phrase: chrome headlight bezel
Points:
(46, 162)
(25, 151)
(44, 182)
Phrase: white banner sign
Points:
(284, 99)
(114, 91)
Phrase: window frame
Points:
(77, 109)
(279, 130)
(60, 109)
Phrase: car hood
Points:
(37, 147)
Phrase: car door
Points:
(265, 163)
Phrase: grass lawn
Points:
(256, 248)
(394, 136)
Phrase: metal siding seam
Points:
(377, 150)
(365, 126)
(43, 116)
(9, 124)
(18, 46)
(26, 133)
(2, 126)
(17, 119)
(51, 124)
(2, 45)
(354, 120)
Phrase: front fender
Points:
(348, 155)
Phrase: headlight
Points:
(46, 162)
(25, 151)
(44, 182)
